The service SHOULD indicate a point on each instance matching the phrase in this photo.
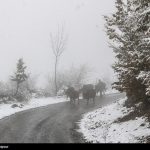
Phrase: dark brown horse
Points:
(89, 93)
(72, 94)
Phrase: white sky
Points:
(25, 26)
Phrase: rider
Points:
(101, 87)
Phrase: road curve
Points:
(50, 124)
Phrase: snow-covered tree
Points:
(20, 75)
(128, 31)
(143, 51)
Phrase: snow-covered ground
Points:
(7, 110)
(101, 126)
(111, 91)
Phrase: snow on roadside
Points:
(7, 110)
(111, 91)
(99, 126)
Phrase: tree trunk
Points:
(56, 61)
(17, 89)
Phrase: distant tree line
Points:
(22, 85)
(73, 76)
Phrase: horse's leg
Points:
(74, 101)
(78, 101)
(104, 93)
(70, 100)
(87, 101)
(100, 93)
(94, 100)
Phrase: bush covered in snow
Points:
(23, 96)
(17, 105)
(40, 93)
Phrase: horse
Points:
(100, 88)
(72, 94)
(88, 93)
(68, 91)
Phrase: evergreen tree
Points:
(143, 11)
(20, 76)
(128, 29)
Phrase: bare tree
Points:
(58, 45)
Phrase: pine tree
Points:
(20, 76)
(143, 10)
(126, 29)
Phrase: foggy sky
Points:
(25, 27)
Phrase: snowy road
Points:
(55, 123)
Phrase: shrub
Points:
(23, 96)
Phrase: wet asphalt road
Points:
(55, 123)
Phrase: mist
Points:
(25, 33)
